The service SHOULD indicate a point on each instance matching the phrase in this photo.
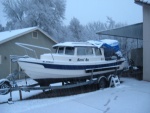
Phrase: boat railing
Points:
(15, 58)
(27, 47)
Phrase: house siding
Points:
(146, 42)
(10, 48)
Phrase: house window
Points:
(35, 34)
(0, 59)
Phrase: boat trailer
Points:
(9, 85)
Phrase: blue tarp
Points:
(110, 44)
(111, 47)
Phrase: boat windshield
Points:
(97, 52)
(60, 50)
(84, 51)
(65, 50)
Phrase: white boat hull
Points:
(38, 70)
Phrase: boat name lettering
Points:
(82, 59)
(46, 61)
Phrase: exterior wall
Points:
(137, 56)
(10, 48)
(146, 43)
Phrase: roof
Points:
(131, 31)
(142, 2)
(9, 35)
(74, 44)
(90, 43)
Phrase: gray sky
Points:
(125, 11)
(86, 11)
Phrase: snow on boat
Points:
(74, 61)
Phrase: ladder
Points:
(114, 81)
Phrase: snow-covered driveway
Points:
(132, 96)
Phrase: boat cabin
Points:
(77, 52)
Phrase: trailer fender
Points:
(4, 81)
(109, 77)
(101, 78)
(102, 82)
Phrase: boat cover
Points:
(111, 47)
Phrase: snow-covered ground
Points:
(132, 96)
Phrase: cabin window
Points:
(69, 51)
(84, 51)
(97, 52)
(61, 50)
(35, 34)
(55, 49)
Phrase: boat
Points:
(73, 62)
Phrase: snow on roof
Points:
(110, 42)
(73, 44)
(143, 2)
(9, 35)
(90, 43)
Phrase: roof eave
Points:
(15, 36)
(141, 2)
(123, 31)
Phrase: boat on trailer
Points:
(73, 62)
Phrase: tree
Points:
(1, 28)
(76, 29)
(15, 12)
(110, 23)
(47, 14)
(92, 28)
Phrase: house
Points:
(32, 35)
(146, 37)
(140, 31)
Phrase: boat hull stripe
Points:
(75, 67)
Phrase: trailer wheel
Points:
(3, 86)
(102, 83)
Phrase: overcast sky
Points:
(86, 11)
(125, 11)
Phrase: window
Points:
(84, 51)
(61, 50)
(97, 52)
(55, 49)
(69, 51)
(35, 34)
(0, 59)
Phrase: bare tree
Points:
(15, 11)
(92, 28)
(1, 28)
(47, 14)
(76, 29)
